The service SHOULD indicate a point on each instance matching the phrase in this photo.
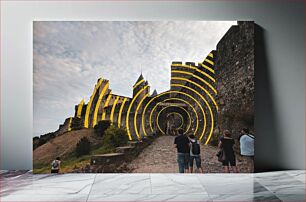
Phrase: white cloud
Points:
(69, 57)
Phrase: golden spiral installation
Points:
(191, 96)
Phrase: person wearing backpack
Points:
(247, 148)
(56, 165)
(195, 151)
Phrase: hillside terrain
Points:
(63, 146)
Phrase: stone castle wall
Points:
(235, 78)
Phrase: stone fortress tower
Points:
(217, 92)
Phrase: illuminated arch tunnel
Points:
(188, 104)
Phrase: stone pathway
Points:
(160, 157)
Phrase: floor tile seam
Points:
(150, 174)
(91, 187)
(273, 192)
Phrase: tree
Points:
(115, 137)
(83, 147)
(101, 127)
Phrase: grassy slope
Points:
(64, 146)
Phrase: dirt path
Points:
(160, 157)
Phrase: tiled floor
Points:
(270, 186)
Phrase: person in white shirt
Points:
(56, 165)
(247, 148)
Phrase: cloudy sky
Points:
(69, 57)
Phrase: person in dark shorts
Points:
(195, 154)
(181, 143)
(56, 165)
(226, 144)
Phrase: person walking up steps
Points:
(226, 143)
(181, 143)
(195, 154)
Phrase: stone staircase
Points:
(115, 162)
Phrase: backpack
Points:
(55, 164)
(195, 148)
(251, 136)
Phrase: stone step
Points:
(124, 149)
(133, 143)
(103, 159)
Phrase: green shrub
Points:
(101, 127)
(114, 137)
(83, 147)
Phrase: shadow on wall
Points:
(268, 151)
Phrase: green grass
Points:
(72, 162)
(112, 138)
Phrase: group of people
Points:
(188, 151)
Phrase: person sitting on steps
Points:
(56, 165)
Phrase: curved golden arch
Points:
(194, 83)
(120, 111)
(210, 111)
(113, 109)
(69, 124)
(206, 67)
(195, 76)
(186, 94)
(195, 68)
(94, 121)
(181, 117)
(167, 92)
(179, 99)
(105, 105)
(151, 113)
(209, 61)
(128, 112)
(175, 113)
(80, 107)
(135, 115)
(138, 83)
(90, 102)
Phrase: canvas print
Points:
(143, 96)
